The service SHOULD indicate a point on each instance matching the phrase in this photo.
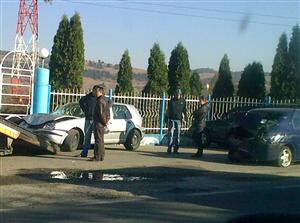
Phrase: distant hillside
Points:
(208, 75)
(101, 72)
(98, 72)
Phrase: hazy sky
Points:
(246, 30)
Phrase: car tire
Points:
(285, 157)
(71, 142)
(133, 140)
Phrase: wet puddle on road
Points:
(96, 176)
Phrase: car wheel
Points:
(133, 140)
(72, 141)
(285, 157)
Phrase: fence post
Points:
(49, 99)
(209, 102)
(269, 100)
(110, 94)
(162, 115)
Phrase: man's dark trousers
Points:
(198, 136)
(99, 150)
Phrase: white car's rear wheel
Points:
(71, 142)
(133, 140)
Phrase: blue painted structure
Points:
(209, 102)
(42, 89)
(162, 115)
(110, 94)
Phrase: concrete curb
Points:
(154, 139)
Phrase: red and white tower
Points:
(18, 66)
(26, 41)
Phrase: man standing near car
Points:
(199, 124)
(87, 104)
(176, 112)
(101, 118)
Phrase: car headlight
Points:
(49, 126)
(276, 138)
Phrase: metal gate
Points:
(16, 83)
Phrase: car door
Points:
(120, 116)
(295, 133)
(218, 129)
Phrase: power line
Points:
(212, 10)
(174, 13)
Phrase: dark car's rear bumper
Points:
(256, 150)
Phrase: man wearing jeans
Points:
(176, 111)
(87, 104)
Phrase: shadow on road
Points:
(177, 195)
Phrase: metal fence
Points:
(154, 113)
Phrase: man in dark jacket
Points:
(176, 112)
(199, 125)
(101, 118)
(87, 104)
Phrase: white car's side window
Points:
(120, 112)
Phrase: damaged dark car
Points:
(267, 134)
(219, 130)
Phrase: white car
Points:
(65, 126)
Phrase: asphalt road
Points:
(145, 186)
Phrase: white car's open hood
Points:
(40, 119)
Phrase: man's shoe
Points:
(197, 155)
(83, 156)
(80, 155)
(176, 152)
(169, 151)
(96, 159)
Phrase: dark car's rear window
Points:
(257, 119)
(235, 116)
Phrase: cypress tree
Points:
(195, 84)
(252, 82)
(179, 70)
(67, 56)
(76, 53)
(224, 86)
(124, 81)
(59, 55)
(280, 83)
(157, 72)
(294, 57)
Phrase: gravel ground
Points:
(147, 174)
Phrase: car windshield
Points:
(266, 119)
(233, 116)
(72, 109)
